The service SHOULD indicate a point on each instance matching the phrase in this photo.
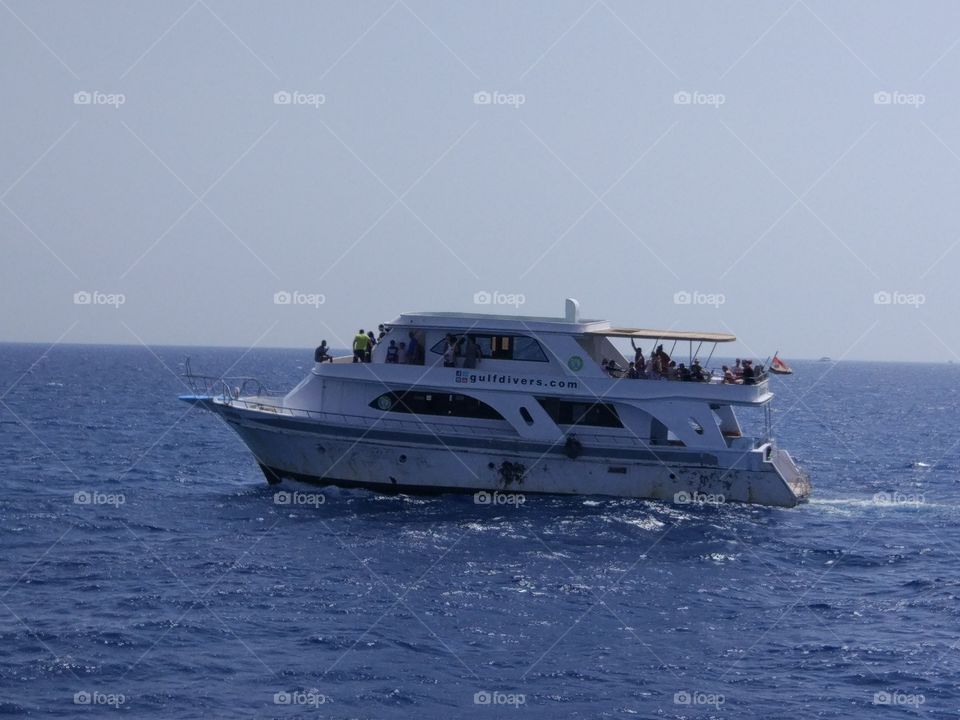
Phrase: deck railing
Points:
(226, 387)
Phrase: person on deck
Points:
(360, 344)
(656, 367)
(471, 352)
(638, 355)
(393, 352)
(322, 354)
(450, 352)
(402, 354)
(373, 341)
(613, 369)
(664, 358)
(728, 377)
(749, 377)
(413, 349)
(632, 371)
(696, 372)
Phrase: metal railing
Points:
(228, 388)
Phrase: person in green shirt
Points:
(360, 344)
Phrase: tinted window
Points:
(526, 348)
(446, 404)
(566, 412)
(502, 347)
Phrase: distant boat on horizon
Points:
(825, 359)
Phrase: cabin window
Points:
(445, 404)
(566, 412)
(527, 417)
(527, 349)
(501, 347)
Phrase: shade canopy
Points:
(641, 333)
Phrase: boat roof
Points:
(647, 334)
(570, 324)
(484, 321)
(534, 323)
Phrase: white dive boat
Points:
(537, 414)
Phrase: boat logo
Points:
(575, 363)
(384, 402)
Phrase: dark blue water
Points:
(198, 596)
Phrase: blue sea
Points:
(147, 570)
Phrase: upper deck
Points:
(556, 356)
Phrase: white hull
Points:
(322, 454)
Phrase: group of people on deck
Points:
(660, 367)
(465, 347)
(743, 373)
(403, 353)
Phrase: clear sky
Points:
(786, 171)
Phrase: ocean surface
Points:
(147, 571)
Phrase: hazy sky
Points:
(776, 164)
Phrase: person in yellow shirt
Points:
(360, 344)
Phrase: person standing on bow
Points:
(360, 344)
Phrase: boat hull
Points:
(324, 454)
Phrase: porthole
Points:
(527, 417)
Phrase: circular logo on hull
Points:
(575, 363)
(384, 402)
